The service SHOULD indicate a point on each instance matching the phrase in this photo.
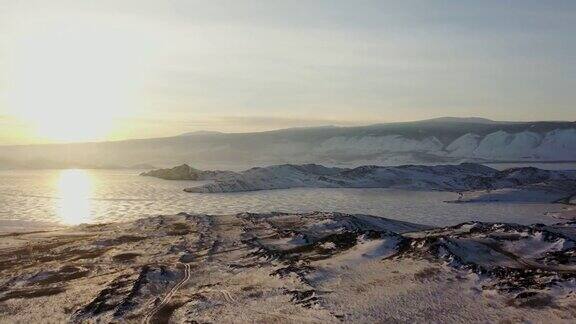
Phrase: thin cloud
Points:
(241, 123)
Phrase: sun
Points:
(74, 189)
(70, 84)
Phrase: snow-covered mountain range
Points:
(443, 140)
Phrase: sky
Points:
(114, 69)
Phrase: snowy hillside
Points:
(527, 183)
(554, 145)
(289, 268)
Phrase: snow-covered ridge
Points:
(457, 178)
(373, 144)
(527, 145)
(555, 145)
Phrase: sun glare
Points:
(70, 84)
(74, 191)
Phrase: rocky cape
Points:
(186, 172)
(476, 182)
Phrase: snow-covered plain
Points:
(278, 267)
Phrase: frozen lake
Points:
(79, 196)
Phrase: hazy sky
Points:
(92, 70)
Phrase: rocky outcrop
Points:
(186, 172)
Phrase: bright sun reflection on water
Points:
(74, 191)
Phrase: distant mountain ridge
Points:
(441, 140)
(477, 120)
(201, 132)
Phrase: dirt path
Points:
(149, 315)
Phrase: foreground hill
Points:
(430, 141)
(314, 267)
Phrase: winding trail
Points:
(149, 315)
